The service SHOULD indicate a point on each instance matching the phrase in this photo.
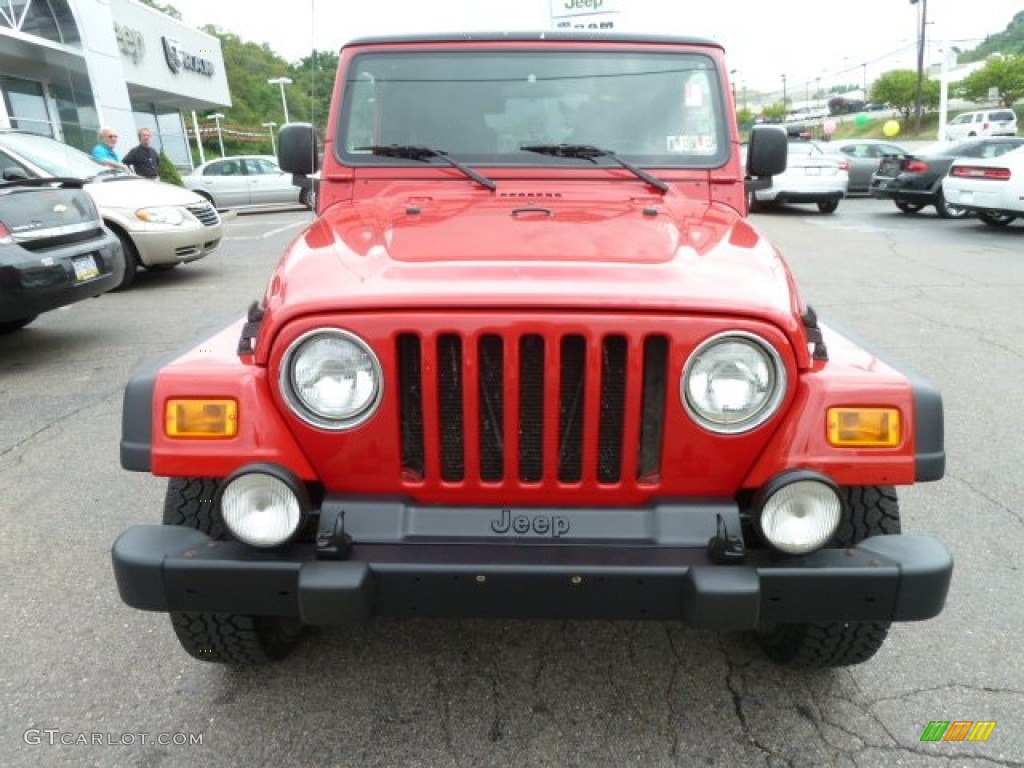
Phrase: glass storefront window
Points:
(26, 105)
(48, 19)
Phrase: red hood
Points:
(596, 246)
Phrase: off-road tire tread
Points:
(225, 638)
(189, 502)
(870, 510)
(228, 638)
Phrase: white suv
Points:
(985, 122)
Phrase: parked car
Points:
(247, 181)
(811, 176)
(914, 181)
(864, 156)
(159, 225)
(532, 378)
(984, 122)
(54, 249)
(992, 188)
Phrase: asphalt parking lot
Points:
(944, 297)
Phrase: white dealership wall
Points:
(122, 50)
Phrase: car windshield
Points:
(52, 157)
(485, 106)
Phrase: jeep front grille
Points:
(525, 408)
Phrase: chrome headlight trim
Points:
(305, 411)
(758, 416)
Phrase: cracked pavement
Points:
(943, 297)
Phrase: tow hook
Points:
(723, 548)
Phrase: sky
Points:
(815, 43)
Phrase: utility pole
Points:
(920, 62)
(783, 89)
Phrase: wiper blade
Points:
(591, 153)
(422, 153)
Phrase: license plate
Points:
(85, 267)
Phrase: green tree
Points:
(1010, 40)
(899, 88)
(1005, 73)
(168, 172)
(744, 118)
(775, 112)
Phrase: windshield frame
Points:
(701, 65)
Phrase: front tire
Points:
(131, 261)
(225, 638)
(869, 510)
(828, 206)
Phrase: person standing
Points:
(143, 159)
(104, 152)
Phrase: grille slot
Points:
(526, 408)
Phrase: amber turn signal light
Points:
(864, 427)
(201, 418)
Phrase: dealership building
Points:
(68, 67)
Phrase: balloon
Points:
(861, 120)
(829, 127)
(891, 128)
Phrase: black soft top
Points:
(573, 36)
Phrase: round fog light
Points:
(801, 516)
(260, 508)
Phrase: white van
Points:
(985, 122)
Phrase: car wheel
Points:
(13, 325)
(307, 197)
(906, 207)
(947, 210)
(828, 206)
(131, 260)
(994, 219)
(870, 510)
(226, 638)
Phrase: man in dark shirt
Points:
(143, 159)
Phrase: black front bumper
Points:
(168, 568)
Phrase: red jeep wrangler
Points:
(532, 360)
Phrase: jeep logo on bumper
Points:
(554, 526)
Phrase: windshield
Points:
(485, 106)
(51, 156)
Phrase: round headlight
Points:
(332, 379)
(801, 516)
(733, 382)
(260, 509)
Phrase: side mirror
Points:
(14, 173)
(767, 151)
(297, 151)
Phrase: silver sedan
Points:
(246, 181)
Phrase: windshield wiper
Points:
(591, 153)
(422, 153)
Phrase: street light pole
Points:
(273, 143)
(282, 81)
(783, 89)
(217, 116)
(920, 62)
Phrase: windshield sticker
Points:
(702, 143)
